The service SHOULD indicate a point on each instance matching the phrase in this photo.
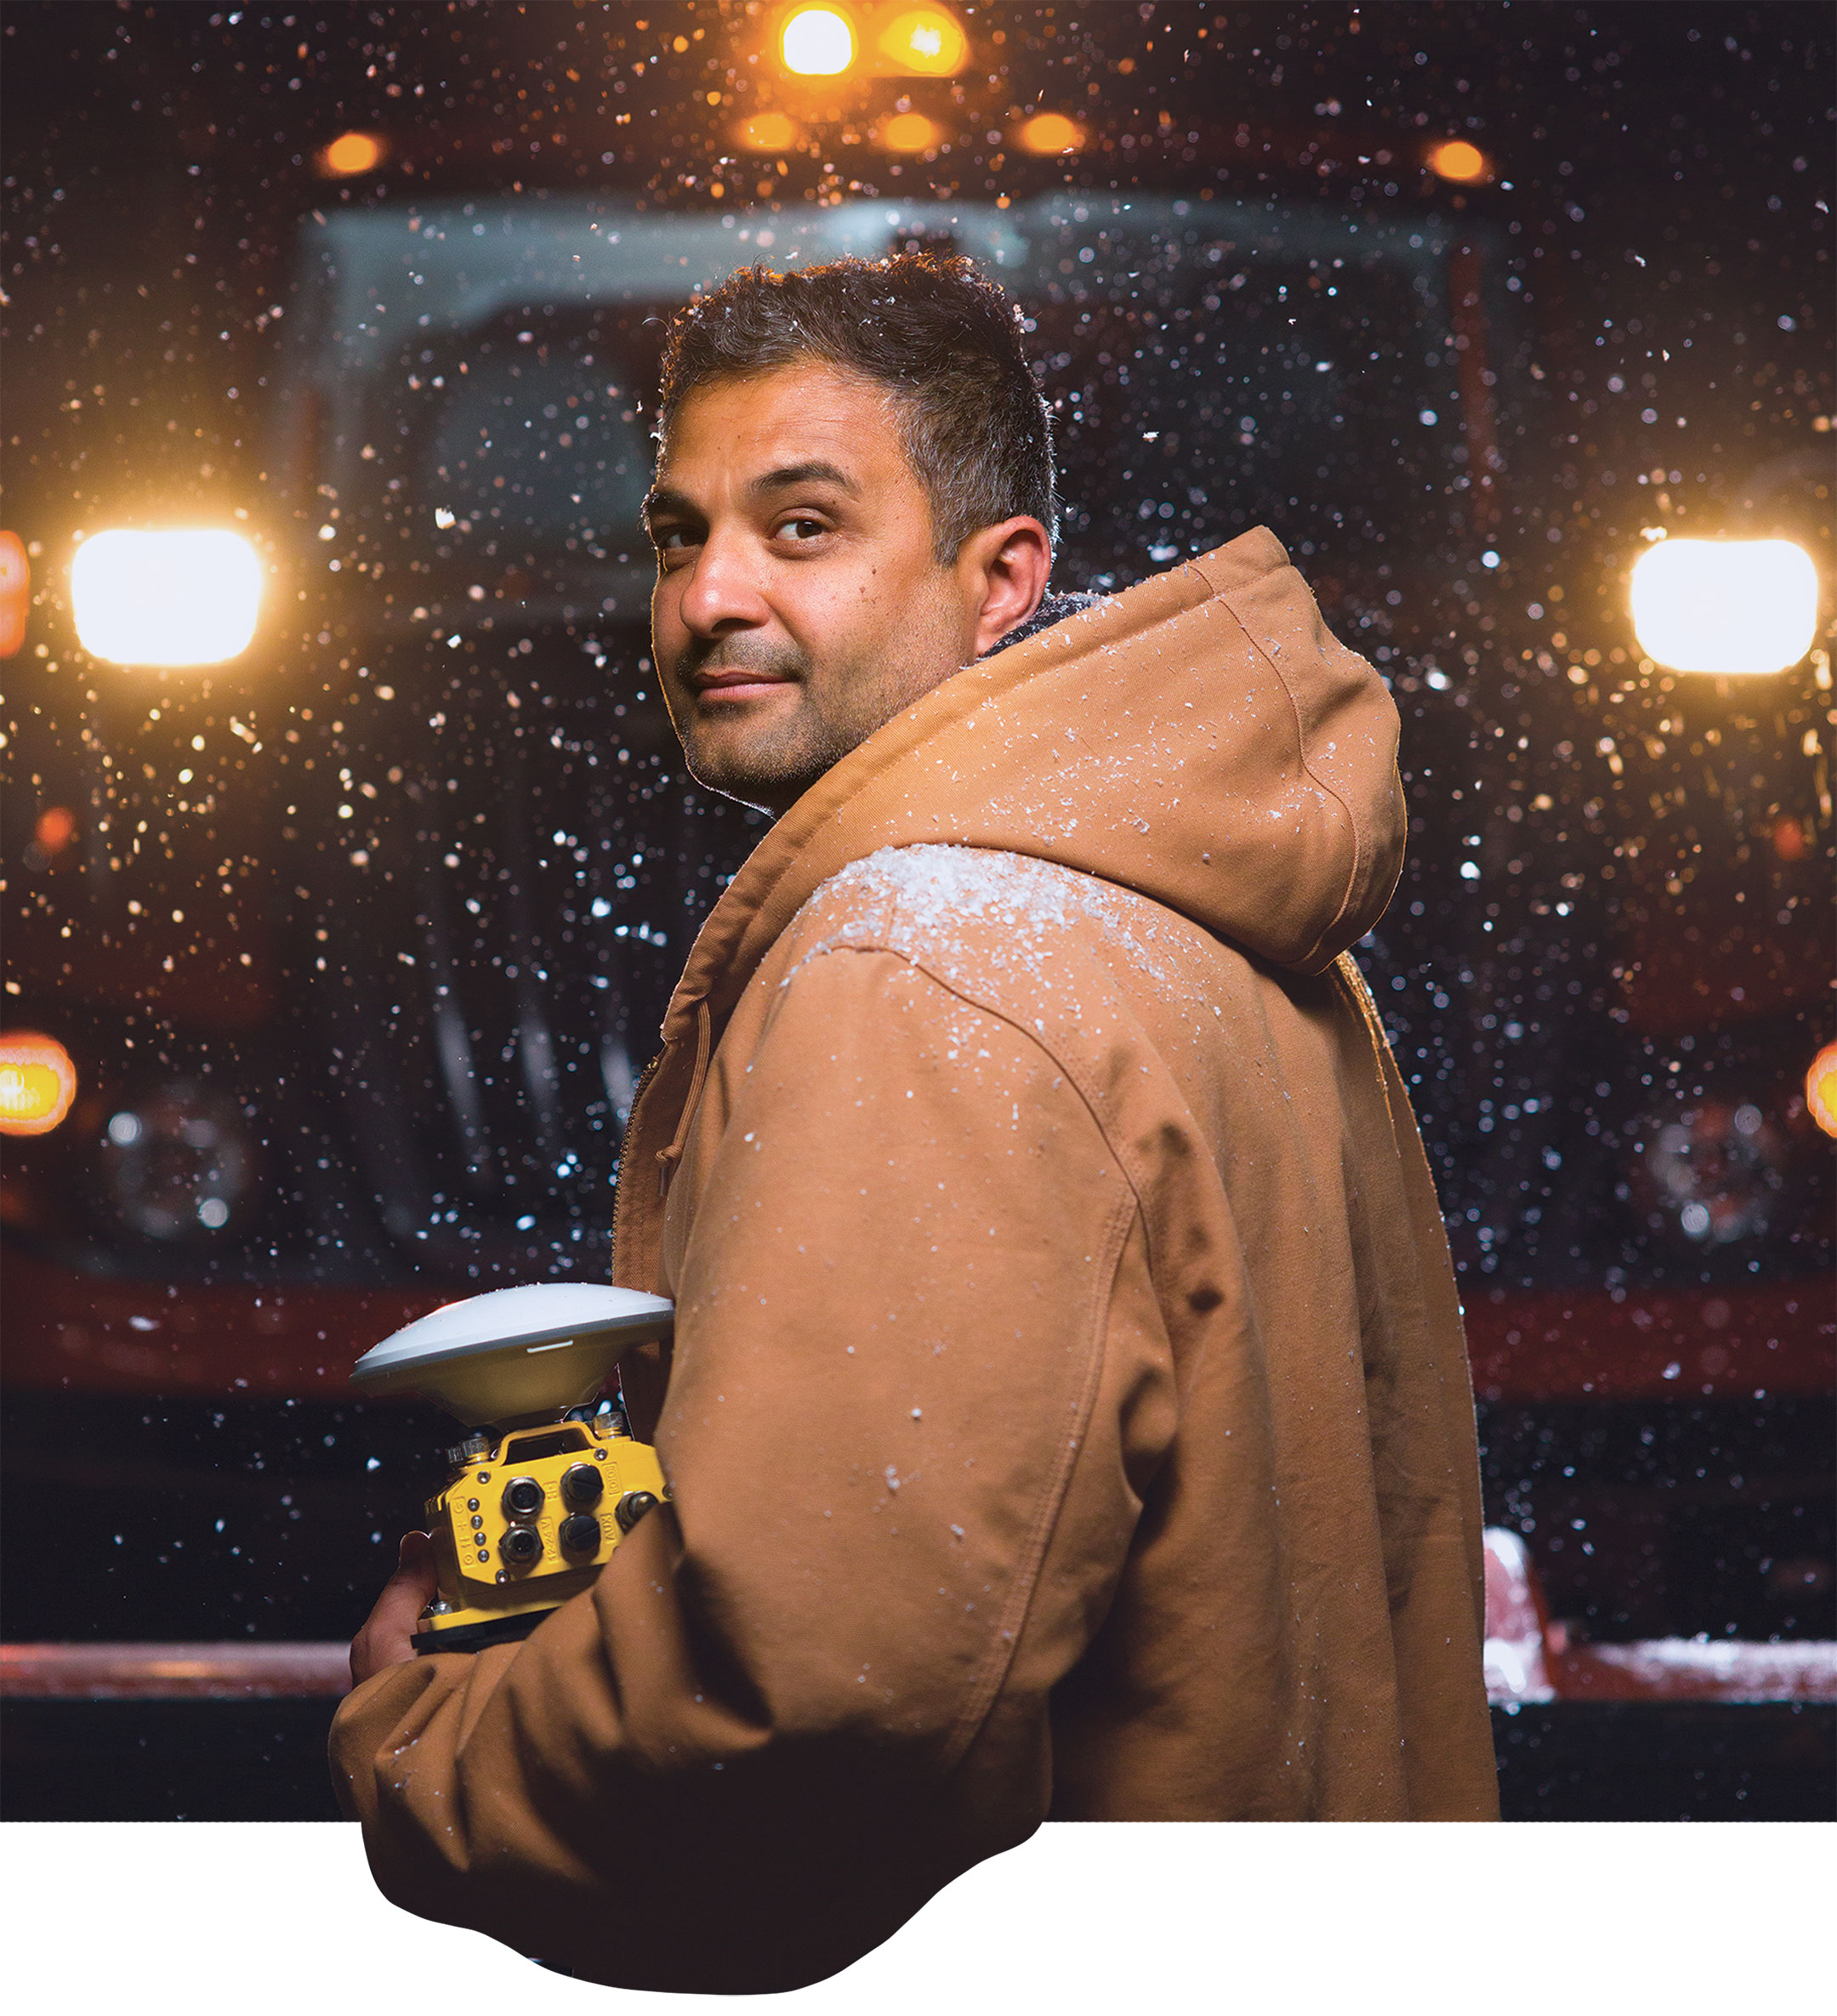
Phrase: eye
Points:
(802, 529)
(671, 539)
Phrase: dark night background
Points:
(1673, 164)
(1662, 186)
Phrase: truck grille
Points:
(497, 870)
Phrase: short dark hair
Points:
(942, 339)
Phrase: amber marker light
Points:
(817, 42)
(38, 1082)
(908, 133)
(15, 593)
(1725, 606)
(56, 827)
(181, 598)
(350, 154)
(925, 42)
(1459, 161)
(1821, 1089)
(1050, 132)
(768, 133)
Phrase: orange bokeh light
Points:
(56, 828)
(768, 133)
(1459, 161)
(1051, 133)
(15, 593)
(925, 42)
(38, 1082)
(1821, 1089)
(1788, 837)
(909, 133)
(351, 154)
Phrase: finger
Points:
(386, 1637)
(414, 1562)
(407, 1591)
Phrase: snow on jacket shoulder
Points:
(1067, 1413)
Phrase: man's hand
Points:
(384, 1640)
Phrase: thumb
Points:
(387, 1636)
(414, 1563)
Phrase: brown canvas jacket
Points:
(1068, 1415)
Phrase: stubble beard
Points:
(771, 767)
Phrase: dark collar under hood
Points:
(1201, 738)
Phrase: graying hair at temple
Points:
(943, 340)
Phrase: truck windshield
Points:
(525, 450)
(521, 837)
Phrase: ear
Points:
(1001, 571)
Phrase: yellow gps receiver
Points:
(548, 1484)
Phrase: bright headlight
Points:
(817, 43)
(1726, 605)
(165, 598)
(38, 1082)
(1821, 1089)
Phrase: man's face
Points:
(799, 603)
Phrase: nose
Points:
(722, 593)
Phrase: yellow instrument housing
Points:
(486, 1592)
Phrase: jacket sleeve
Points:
(919, 1386)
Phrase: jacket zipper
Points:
(649, 1071)
(669, 1157)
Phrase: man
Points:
(1067, 1413)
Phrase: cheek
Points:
(824, 611)
(880, 590)
(666, 621)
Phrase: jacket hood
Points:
(1201, 738)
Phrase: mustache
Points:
(739, 653)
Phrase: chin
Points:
(766, 788)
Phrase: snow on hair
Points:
(944, 341)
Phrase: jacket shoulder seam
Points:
(988, 1004)
(1128, 1209)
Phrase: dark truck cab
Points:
(381, 1002)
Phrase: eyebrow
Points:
(665, 502)
(662, 501)
(797, 474)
